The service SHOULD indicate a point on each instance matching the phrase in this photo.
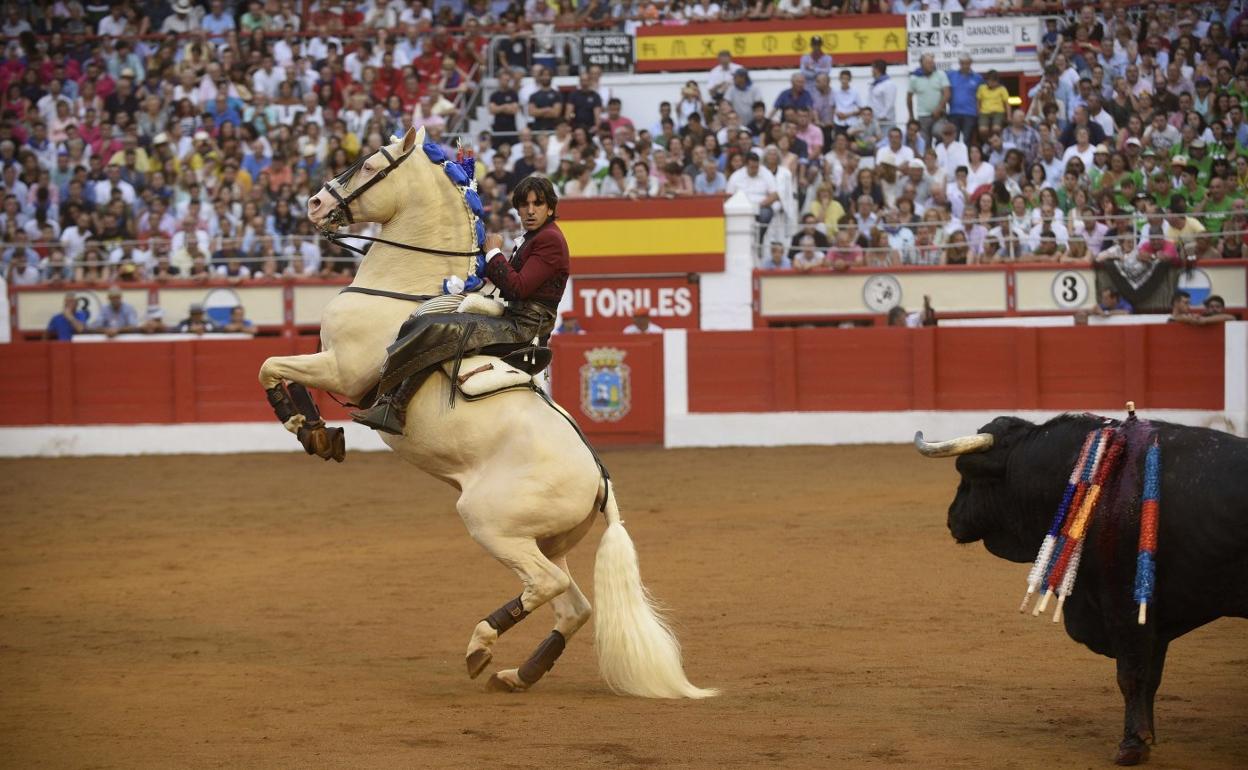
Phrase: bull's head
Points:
(987, 506)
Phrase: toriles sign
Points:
(608, 304)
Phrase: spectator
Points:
(70, 321)
(807, 256)
(584, 105)
(545, 103)
(641, 323)
(777, 258)
(117, 316)
(1181, 311)
(1215, 305)
(570, 323)
(154, 321)
(22, 272)
(816, 61)
(882, 97)
(847, 103)
(792, 98)
(709, 181)
(1112, 303)
(742, 95)
(928, 94)
(992, 103)
(238, 323)
(720, 79)
(504, 105)
(197, 321)
(809, 228)
(951, 153)
(759, 187)
(963, 98)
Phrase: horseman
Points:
(532, 281)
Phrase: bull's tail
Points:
(637, 652)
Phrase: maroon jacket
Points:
(538, 270)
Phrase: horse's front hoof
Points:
(477, 662)
(1131, 753)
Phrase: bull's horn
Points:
(980, 442)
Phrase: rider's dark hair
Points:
(541, 187)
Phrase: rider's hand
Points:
(493, 241)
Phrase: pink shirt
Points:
(1167, 251)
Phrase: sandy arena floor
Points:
(274, 611)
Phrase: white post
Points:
(1235, 392)
(727, 298)
(6, 334)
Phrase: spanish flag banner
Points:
(851, 39)
(651, 236)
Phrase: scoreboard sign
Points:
(1006, 43)
(614, 53)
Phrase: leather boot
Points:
(389, 413)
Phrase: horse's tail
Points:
(637, 653)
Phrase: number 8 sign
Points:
(1070, 289)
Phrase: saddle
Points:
(488, 374)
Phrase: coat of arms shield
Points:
(606, 388)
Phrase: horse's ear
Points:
(412, 138)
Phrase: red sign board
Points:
(608, 304)
(612, 384)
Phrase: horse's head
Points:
(358, 195)
(447, 209)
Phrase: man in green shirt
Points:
(1201, 159)
(1216, 206)
(928, 94)
(1190, 189)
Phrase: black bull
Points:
(1007, 498)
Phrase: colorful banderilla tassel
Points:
(1046, 548)
(1062, 577)
(1145, 564)
(1095, 455)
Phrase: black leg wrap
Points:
(302, 400)
(279, 399)
(507, 616)
(543, 658)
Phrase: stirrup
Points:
(385, 416)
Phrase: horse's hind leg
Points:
(572, 611)
(542, 579)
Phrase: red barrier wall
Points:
(64, 383)
(1158, 366)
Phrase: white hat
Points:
(181, 6)
(915, 163)
(887, 158)
(202, 136)
(159, 139)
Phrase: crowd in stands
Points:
(189, 155)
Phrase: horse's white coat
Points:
(527, 482)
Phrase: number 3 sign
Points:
(1070, 289)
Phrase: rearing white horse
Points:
(529, 486)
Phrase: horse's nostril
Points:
(314, 203)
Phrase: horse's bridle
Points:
(340, 214)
